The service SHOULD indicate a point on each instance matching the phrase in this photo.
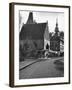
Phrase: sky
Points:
(42, 17)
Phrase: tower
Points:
(55, 39)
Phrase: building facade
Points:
(55, 39)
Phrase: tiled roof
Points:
(33, 31)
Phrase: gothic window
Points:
(47, 46)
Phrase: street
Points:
(42, 69)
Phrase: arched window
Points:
(47, 46)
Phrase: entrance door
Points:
(47, 46)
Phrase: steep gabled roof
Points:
(33, 31)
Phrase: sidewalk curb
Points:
(34, 62)
(30, 64)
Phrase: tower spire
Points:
(56, 28)
(56, 21)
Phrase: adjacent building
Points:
(55, 39)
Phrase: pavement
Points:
(43, 68)
(28, 62)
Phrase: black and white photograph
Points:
(39, 42)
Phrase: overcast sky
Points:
(41, 17)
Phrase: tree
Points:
(50, 34)
(20, 19)
(62, 35)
